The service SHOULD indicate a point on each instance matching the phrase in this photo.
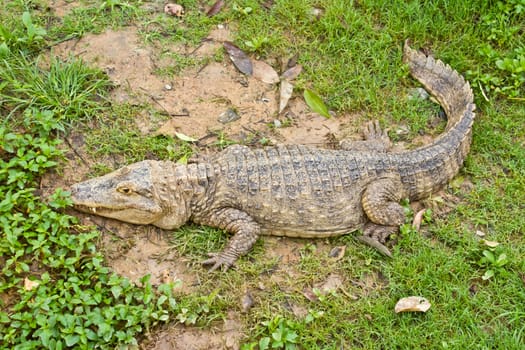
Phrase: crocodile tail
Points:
(444, 83)
(437, 163)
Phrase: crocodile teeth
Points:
(94, 210)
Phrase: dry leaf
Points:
(184, 138)
(28, 284)
(215, 9)
(418, 218)
(264, 72)
(333, 282)
(413, 303)
(480, 233)
(247, 301)
(174, 10)
(286, 94)
(491, 244)
(292, 73)
(292, 62)
(310, 295)
(240, 60)
(338, 252)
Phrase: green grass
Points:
(351, 55)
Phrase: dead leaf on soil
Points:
(418, 218)
(174, 10)
(337, 253)
(491, 244)
(292, 73)
(332, 283)
(240, 60)
(215, 9)
(184, 138)
(264, 72)
(286, 94)
(29, 284)
(412, 304)
(247, 301)
(480, 233)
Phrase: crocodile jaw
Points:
(131, 215)
(126, 194)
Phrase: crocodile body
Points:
(294, 190)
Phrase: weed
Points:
(30, 38)
(281, 335)
(69, 89)
(493, 261)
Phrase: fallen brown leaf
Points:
(247, 301)
(338, 252)
(215, 9)
(264, 72)
(240, 59)
(286, 94)
(292, 73)
(412, 304)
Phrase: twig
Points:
(483, 92)
(75, 151)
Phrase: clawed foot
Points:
(220, 260)
(375, 236)
(373, 131)
(375, 139)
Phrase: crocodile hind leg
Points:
(375, 139)
(245, 233)
(380, 202)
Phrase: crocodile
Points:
(295, 190)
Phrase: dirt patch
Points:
(226, 337)
(197, 98)
(62, 8)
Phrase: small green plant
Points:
(111, 5)
(66, 296)
(243, 11)
(493, 260)
(30, 37)
(503, 27)
(70, 89)
(256, 43)
(281, 335)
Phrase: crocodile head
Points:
(136, 194)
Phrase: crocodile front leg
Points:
(245, 233)
(380, 202)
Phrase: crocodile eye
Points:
(124, 189)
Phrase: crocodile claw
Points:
(381, 248)
(219, 260)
